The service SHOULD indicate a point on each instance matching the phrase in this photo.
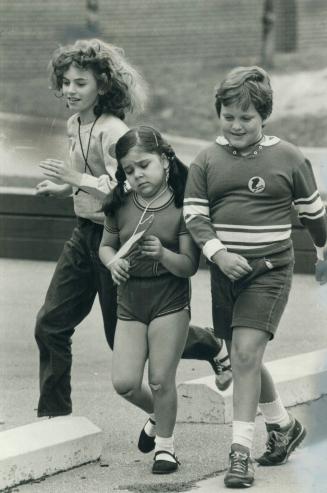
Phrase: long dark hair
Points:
(149, 140)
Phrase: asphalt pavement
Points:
(202, 448)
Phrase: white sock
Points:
(223, 352)
(150, 428)
(165, 444)
(275, 413)
(243, 432)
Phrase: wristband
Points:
(211, 247)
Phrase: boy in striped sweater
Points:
(237, 208)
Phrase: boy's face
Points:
(241, 128)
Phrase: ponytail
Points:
(117, 196)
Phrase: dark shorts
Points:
(257, 300)
(146, 298)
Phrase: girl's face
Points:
(145, 171)
(241, 128)
(80, 89)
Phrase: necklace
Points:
(85, 155)
(149, 218)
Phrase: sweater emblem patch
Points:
(256, 184)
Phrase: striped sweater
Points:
(243, 203)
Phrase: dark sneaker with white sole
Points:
(281, 443)
(240, 472)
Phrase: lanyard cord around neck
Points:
(142, 221)
(85, 156)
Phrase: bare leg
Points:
(267, 387)
(248, 346)
(166, 336)
(268, 390)
(129, 357)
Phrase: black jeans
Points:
(79, 276)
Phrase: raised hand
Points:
(60, 171)
(49, 188)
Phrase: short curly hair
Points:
(246, 85)
(123, 89)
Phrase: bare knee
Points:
(160, 385)
(155, 387)
(125, 388)
(245, 359)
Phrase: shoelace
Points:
(239, 462)
(276, 438)
(219, 364)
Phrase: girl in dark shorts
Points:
(153, 284)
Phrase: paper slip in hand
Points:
(131, 243)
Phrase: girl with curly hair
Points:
(100, 86)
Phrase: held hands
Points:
(234, 266)
(151, 247)
(119, 270)
(61, 172)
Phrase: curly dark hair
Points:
(122, 88)
(149, 140)
(246, 85)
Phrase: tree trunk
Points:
(268, 34)
(92, 15)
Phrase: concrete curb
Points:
(46, 447)
(301, 378)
